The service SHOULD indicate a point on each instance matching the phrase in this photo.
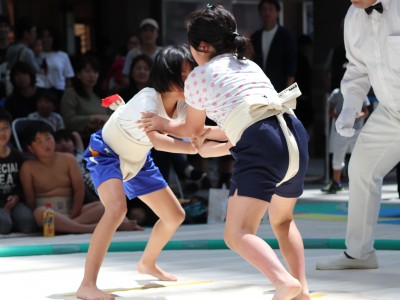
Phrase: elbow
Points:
(157, 145)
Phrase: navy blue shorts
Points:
(103, 164)
(262, 159)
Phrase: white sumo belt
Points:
(132, 153)
(257, 108)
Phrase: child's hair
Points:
(54, 35)
(216, 26)
(273, 2)
(25, 68)
(5, 115)
(64, 134)
(22, 25)
(49, 95)
(30, 132)
(167, 68)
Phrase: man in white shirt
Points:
(372, 40)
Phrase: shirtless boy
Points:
(56, 178)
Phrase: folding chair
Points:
(18, 127)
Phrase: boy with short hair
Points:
(55, 177)
(14, 214)
(46, 106)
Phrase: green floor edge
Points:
(8, 251)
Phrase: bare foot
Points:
(92, 293)
(130, 225)
(304, 295)
(156, 272)
(288, 290)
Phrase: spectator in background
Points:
(274, 47)
(133, 42)
(14, 214)
(113, 81)
(46, 105)
(148, 35)
(25, 36)
(81, 104)
(341, 145)
(55, 177)
(59, 71)
(71, 142)
(138, 76)
(25, 93)
(41, 77)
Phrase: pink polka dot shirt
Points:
(221, 84)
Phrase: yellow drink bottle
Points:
(48, 221)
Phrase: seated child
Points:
(45, 109)
(14, 214)
(55, 177)
(71, 142)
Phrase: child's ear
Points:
(29, 148)
(204, 47)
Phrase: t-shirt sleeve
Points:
(148, 101)
(68, 70)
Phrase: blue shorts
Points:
(262, 159)
(103, 164)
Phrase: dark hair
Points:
(143, 57)
(217, 26)
(22, 25)
(49, 95)
(81, 63)
(55, 45)
(5, 116)
(273, 2)
(22, 67)
(30, 132)
(63, 134)
(167, 68)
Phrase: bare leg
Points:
(171, 214)
(243, 218)
(63, 223)
(113, 198)
(130, 225)
(291, 245)
(91, 213)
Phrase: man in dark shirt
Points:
(274, 46)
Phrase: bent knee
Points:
(231, 237)
(281, 227)
(174, 219)
(117, 210)
(38, 215)
(178, 218)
